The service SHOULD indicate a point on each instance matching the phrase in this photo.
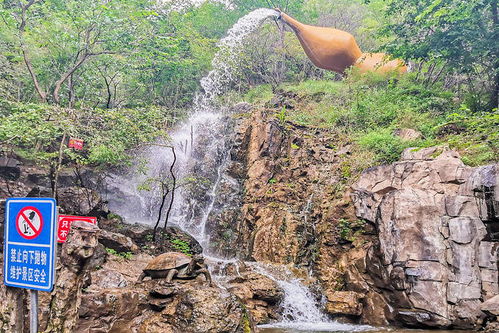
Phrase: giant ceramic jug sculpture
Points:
(337, 50)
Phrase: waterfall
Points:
(202, 146)
(205, 127)
(299, 307)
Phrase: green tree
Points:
(461, 34)
(56, 38)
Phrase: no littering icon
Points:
(29, 222)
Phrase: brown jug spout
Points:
(327, 48)
(337, 50)
(279, 13)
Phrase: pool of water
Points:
(354, 329)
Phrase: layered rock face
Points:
(285, 184)
(435, 260)
(426, 254)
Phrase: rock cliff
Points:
(413, 243)
(435, 257)
(99, 293)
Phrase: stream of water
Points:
(207, 129)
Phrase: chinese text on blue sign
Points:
(29, 247)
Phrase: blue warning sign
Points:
(29, 243)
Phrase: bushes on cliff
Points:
(368, 109)
(35, 131)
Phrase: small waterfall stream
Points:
(300, 310)
(207, 127)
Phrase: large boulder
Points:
(491, 306)
(75, 258)
(344, 303)
(117, 242)
(260, 294)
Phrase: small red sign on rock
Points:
(75, 143)
(65, 224)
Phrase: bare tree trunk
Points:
(165, 191)
(66, 75)
(109, 92)
(58, 166)
(22, 27)
(174, 179)
(494, 101)
(71, 93)
(41, 93)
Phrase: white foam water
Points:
(141, 206)
(300, 311)
(226, 59)
(182, 5)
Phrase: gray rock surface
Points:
(436, 220)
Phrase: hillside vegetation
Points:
(120, 74)
(368, 111)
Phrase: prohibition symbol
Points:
(29, 222)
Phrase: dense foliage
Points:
(106, 54)
(455, 37)
(117, 74)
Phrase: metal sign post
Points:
(29, 247)
(33, 313)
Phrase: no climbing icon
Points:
(29, 222)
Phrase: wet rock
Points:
(414, 318)
(75, 254)
(161, 291)
(108, 278)
(78, 200)
(155, 324)
(344, 303)
(259, 294)
(491, 306)
(207, 310)
(262, 287)
(100, 311)
(117, 242)
(157, 306)
(376, 310)
(9, 168)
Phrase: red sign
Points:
(75, 143)
(29, 222)
(65, 223)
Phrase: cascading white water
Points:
(300, 310)
(226, 60)
(214, 84)
(202, 150)
(138, 205)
